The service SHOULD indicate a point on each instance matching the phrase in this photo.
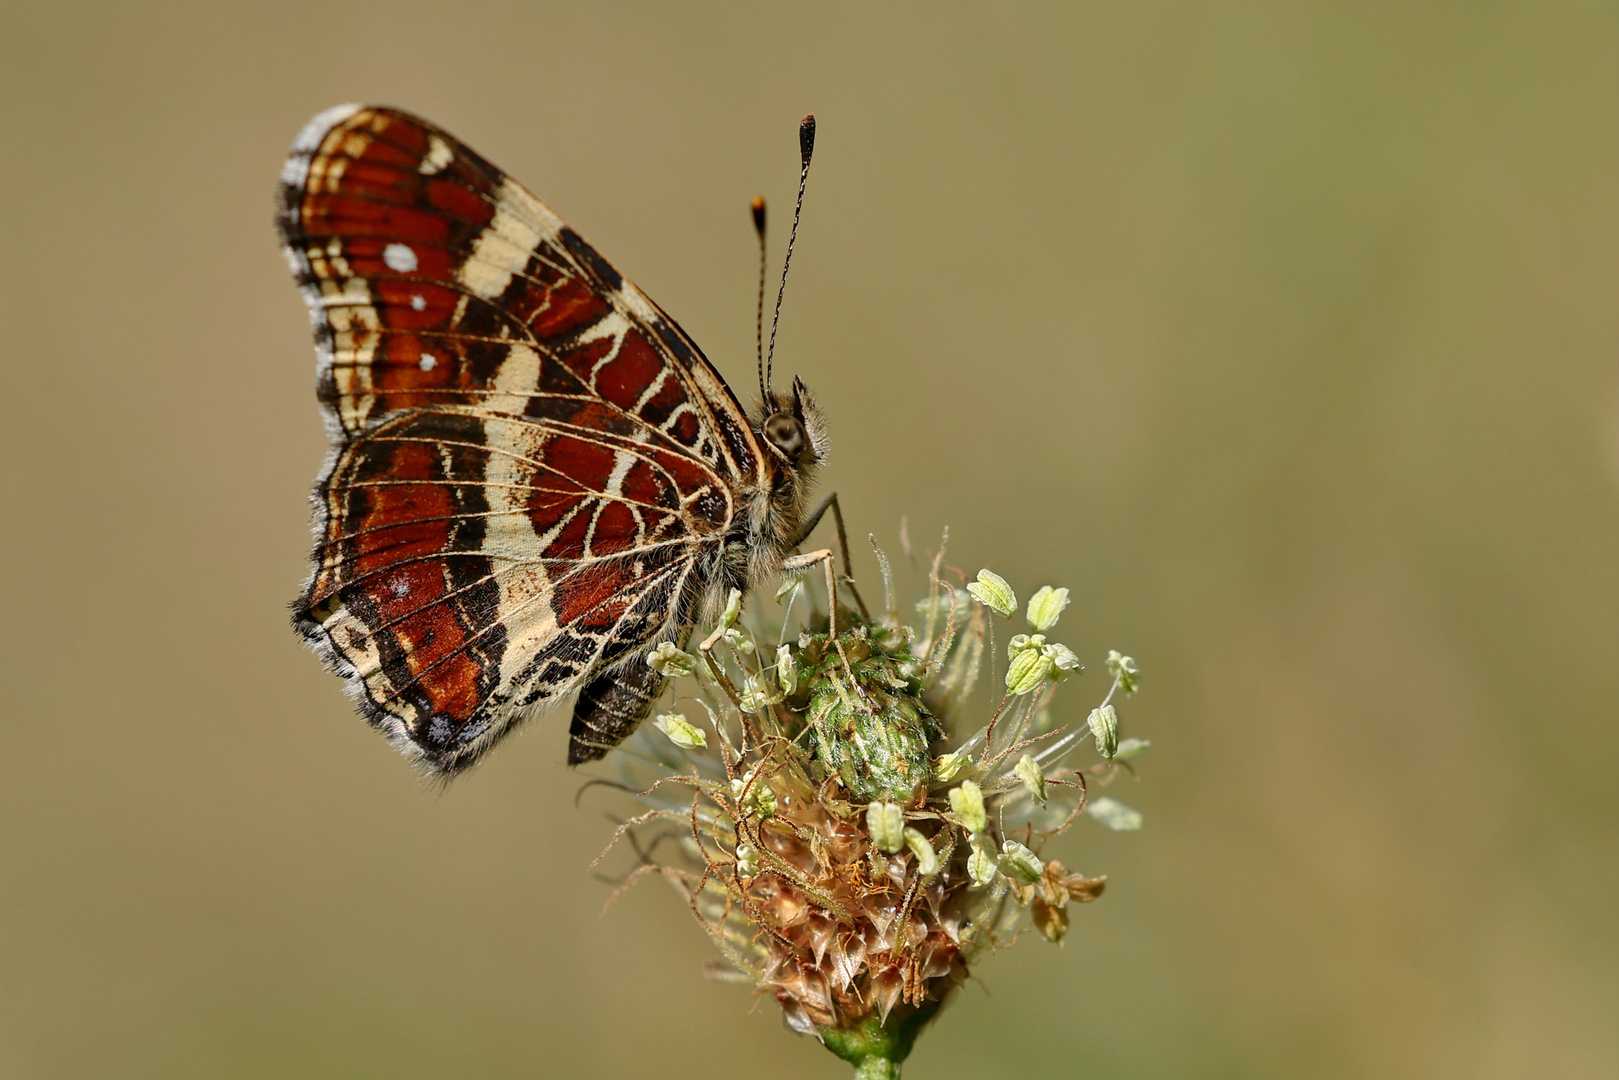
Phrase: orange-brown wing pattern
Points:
(534, 469)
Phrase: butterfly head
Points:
(792, 428)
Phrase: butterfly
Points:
(535, 475)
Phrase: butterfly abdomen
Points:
(609, 709)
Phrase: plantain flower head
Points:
(852, 826)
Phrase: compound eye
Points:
(786, 434)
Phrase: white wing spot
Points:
(428, 362)
(417, 302)
(399, 257)
(439, 155)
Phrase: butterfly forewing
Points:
(534, 469)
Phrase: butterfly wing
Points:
(533, 468)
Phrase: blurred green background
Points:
(1286, 335)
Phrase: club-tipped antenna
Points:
(806, 147)
(759, 318)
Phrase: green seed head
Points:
(872, 731)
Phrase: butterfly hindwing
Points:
(534, 469)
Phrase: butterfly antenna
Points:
(806, 147)
(759, 318)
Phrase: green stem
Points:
(875, 1048)
(877, 1068)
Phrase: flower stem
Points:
(877, 1068)
(875, 1048)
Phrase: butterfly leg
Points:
(824, 557)
(792, 565)
(811, 521)
(706, 648)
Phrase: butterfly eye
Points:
(786, 434)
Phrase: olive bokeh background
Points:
(1284, 334)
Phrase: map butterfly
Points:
(535, 474)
